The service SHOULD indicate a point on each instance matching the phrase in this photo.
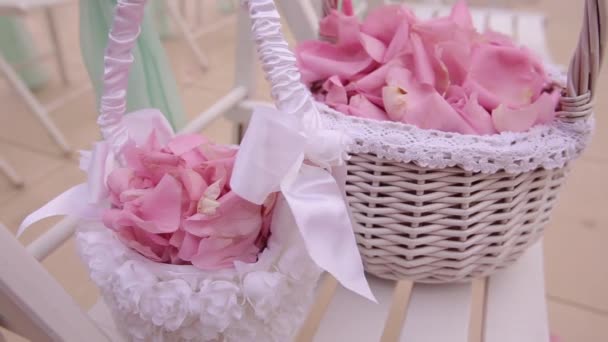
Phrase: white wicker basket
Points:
(438, 207)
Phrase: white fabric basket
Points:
(150, 301)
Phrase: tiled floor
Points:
(575, 244)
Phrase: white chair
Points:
(22, 8)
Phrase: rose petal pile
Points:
(173, 204)
(435, 74)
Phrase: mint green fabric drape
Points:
(158, 11)
(151, 81)
(16, 45)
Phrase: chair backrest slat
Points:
(40, 309)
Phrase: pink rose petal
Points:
(336, 93)
(162, 206)
(505, 75)
(320, 60)
(361, 107)
(384, 21)
(461, 15)
(185, 142)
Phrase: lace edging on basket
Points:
(547, 146)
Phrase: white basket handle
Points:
(118, 58)
(279, 62)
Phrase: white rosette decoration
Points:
(150, 301)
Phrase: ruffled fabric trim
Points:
(265, 301)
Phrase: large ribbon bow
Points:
(285, 153)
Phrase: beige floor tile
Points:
(575, 240)
(574, 325)
(31, 166)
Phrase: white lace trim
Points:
(265, 301)
(548, 146)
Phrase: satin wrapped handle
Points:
(118, 58)
(278, 61)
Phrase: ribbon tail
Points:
(68, 203)
(321, 215)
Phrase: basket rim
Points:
(549, 146)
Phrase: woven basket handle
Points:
(279, 62)
(118, 58)
(577, 102)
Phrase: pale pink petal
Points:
(118, 182)
(185, 142)
(193, 183)
(189, 247)
(505, 75)
(360, 106)
(384, 21)
(497, 38)
(424, 68)
(374, 47)
(336, 93)
(348, 8)
(401, 77)
(395, 101)
(400, 44)
(162, 206)
(514, 120)
(328, 26)
(320, 60)
(456, 57)
(348, 32)
(478, 117)
(217, 253)
(431, 111)
(443, 29)
(234, 217)
(370, 84)
(461, 15)
(422, 106)
(149, 245)
(545, 105)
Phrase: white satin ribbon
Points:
(272, 158)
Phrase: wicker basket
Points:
(438, 207)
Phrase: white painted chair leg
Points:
(245, 73)
(438, 313)
(34, 105)
(10, 173)
(516, 306)
(303, 16)
(34, 303)
(201, 58)
(58, 51)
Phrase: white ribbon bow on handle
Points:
(272, 158)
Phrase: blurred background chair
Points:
(22, 8)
